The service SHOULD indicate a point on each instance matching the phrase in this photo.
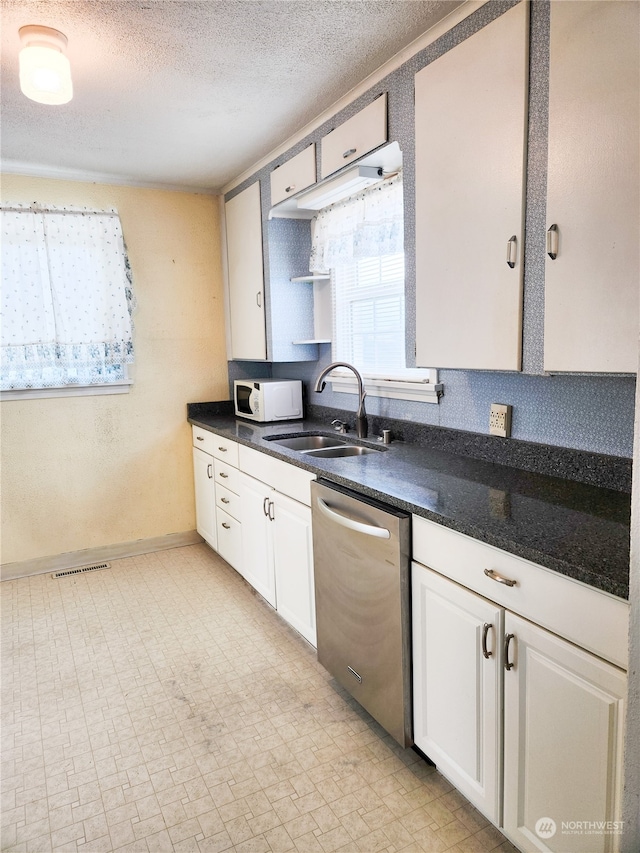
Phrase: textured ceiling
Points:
(192, 93)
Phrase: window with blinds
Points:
(368, 312)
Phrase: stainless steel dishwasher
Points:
(361, 565)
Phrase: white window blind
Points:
(368, 313)
(67, 299)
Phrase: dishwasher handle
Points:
(350, 524)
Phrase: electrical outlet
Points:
(500, 420)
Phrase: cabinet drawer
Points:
(583, 615)
(203, 440)
(357, 136)
(226, 450)
(294, 175)
(281, 476)
(228, 501)
(226, 475)
(229, 539)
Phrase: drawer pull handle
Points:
(222, 449)
(199, 438)
(290, 188)
(349, 152)
(485, 630)
(210, 471)
(552, 242)
(226, 526)
(507, 663)
(225, 500)
(224, 476)
(499, 578)
(355, 674)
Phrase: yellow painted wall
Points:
(82, 472)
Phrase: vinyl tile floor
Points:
(161, 705)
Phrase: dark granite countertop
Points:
(577, 529)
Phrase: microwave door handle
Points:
(350, 524)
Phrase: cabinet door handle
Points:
(259, 299)
(210, 471)
(512, 247)
(485, 630)
(224, 476)
(349, 152)
(271, 511)
(552, 242)
(290, 188)
(507, 663)
(499, 578)
(226, 526)
(199, 438)
(265, 507)
(225, 500)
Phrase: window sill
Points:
(67, 391)
(426, 390)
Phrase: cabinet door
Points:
(293, 557)
(591, 288)
(295, 175)
(205, 496)
(354, 138)
(563, 722)
(257, 545)
(457, 684)
(471, 116)
(246, 274)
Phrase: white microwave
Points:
(268, 399)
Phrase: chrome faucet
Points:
(362, 427)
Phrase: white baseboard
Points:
(73, 559)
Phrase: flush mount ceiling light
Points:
(45, 73)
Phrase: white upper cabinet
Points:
(471, 118)
(356, 137)
(593, 203)
(246, 274)
(294, 175)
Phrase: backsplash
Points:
(585, 412)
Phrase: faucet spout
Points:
(362, 427)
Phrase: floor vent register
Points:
(97, 568)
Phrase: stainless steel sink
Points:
(345, 450)
(309, 442)
(322, 446)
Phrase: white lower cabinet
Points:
(293, 556)
(563, 741)
(215, 461)
(277, 553)
(255, 511)
(257, 546)
(205, 496)
(457, 688)
(527, 725)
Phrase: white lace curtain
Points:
(66, 298)
(367, 225)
